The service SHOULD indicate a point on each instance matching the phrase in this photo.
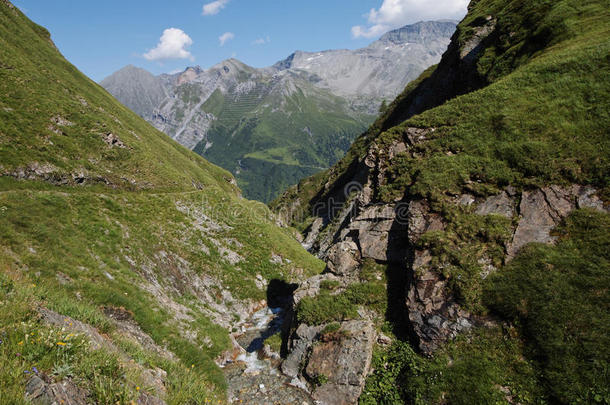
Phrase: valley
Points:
(449, 248)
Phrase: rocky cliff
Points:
(477, 159)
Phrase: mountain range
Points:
(273, 126)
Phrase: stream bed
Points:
(254, 379)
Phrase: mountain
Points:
(125, 259)
(466, 231)
(132, 80)
(379, 71)
(271, 127)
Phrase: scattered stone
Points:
(62, 278)
(276, 259)
(59, 120)
(40, 389)
(113, 141)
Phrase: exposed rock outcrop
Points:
(542, 209)
(335, 369)
(41, 390)
(390, 233)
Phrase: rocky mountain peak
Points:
(419, 33)
(189, 74)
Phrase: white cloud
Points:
(214, 7)
(224, 38)
(172, 45)
(396, 13)
(261, 41)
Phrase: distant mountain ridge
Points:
(273, 126)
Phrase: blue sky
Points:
(100, 37)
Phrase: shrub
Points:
(559, 296)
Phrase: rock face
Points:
(336, 368)
(343, 364)
(391, 232)
(541, 210)
(130, 81)
(308, 107)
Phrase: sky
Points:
(101, 37)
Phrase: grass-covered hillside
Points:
(520, 101)
(535, 110)
(122, 254)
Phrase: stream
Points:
(254, 379)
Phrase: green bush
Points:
(325, 308)
(559, 296)
(474, 369)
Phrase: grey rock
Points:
(299, 344)
(147, 399)
(421, 220)
(587, 198)
(345, 363)
(471, 48)
(379, 233)
(501, 204)
(541, 210)
(41, 390)
(113, 141)
(138, 89)
(343, 259)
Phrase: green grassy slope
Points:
(38, 85)
(151, 229)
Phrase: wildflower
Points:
(192, 366)
(34, 369)
(26, 372)
(20, 343)
(18, 354)
(61, 344)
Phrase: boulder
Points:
(345, 363)
(343, 259)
